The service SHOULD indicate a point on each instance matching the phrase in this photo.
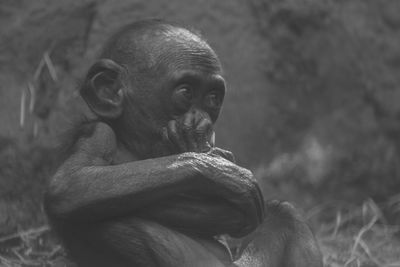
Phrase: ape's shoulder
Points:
(101, 132)
(91, 141)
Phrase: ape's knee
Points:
(283, 214)
(300, 248)
(283, 240)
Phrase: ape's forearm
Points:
(96, 192)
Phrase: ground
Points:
(354, 237)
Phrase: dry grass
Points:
(350, 236)
(35, 247)
(357, 237)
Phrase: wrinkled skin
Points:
(144, 184)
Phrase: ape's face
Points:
(181, 96)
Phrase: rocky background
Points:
(312, 107)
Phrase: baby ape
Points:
(143, 183)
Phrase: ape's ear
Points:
(102, 89)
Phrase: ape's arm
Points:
(86, 188)
(198, 212)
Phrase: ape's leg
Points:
(283, 240)
(136, 242)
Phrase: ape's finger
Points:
(165, 137)
(212, 139)
(203, 132)
(261, 202)
(174, 136)
(250, 219)
(258, 202)
(223, 153)
(242, 197)
(216, 151)
(188, 128)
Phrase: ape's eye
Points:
(182, 98)
(185, 93)
(213, 100)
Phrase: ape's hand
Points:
(231, 182)
(192, 133)
(194, 138)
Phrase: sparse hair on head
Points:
(129, 44)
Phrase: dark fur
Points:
(143, 186)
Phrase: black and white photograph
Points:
(200, 133)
